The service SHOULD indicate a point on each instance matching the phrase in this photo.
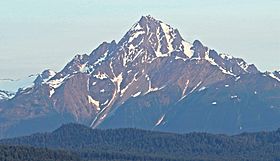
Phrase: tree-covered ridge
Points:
(25, 153)
(135, 144)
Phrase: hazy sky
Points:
(37, 35)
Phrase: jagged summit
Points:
(148, 19)
(147, 40)
(151, 38)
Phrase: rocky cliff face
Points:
(152, 74)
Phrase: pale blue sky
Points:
(36, 35)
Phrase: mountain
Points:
(151, 79)
(135, 144)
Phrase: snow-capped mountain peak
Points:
(149, 71)
(153, 38)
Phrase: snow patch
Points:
(237, 78)
(166, 29)
(202, 88)
(136, 27)
(187, 49)
(274, 77)
(151, 89)
(178, 58)
(157, 51)
(101, 118)
(198, 84)
(52, 91)
(160, 120)
(57, 82)
(118, 80)
(212, 61)
(93, 102)
(106, 102)
(83, 68)
(6, 95)
(186, 87)
(226, 56)
(124, 89)
(101, 59)
(136, 94)
(243, 65)
(101, 76)
(135, 35)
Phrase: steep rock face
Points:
(136, 82)
(250, 103)
(247, 103)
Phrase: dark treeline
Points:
(134, 144)
(21, 153)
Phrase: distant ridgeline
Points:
(74, 142)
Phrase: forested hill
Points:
(26, 153)
(135, 144)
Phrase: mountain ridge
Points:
(152, 66)
(137, 144)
